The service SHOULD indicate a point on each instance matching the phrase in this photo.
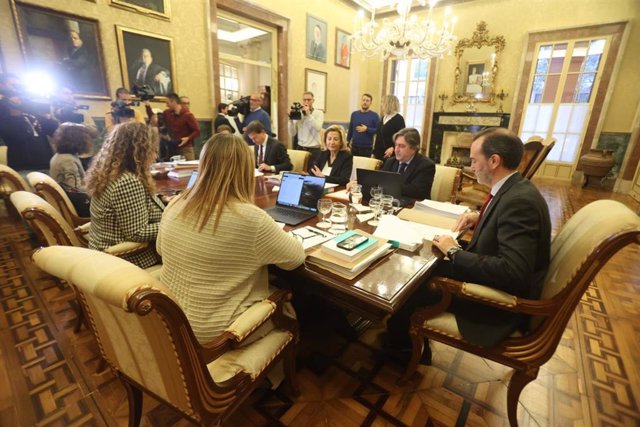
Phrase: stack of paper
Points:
(348, 269)
(441, 208)
(339, 196)
(179, 173)
(409, 234)
(311, 236)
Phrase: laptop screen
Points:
(390, 182)
(300, 191)
(192, 179)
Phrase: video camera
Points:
(145, 93)
(121, 109)
(67, 112)
(26, 102)
(240, 106)
(296, 111)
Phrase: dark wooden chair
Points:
(533, 166)
(147, 341)
(583, 246)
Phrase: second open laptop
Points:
(297, 199)
(390, 182)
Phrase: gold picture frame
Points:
(147, 59)
(316, 82)
(65, 46)
(155, 8)
(343, 49)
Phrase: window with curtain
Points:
(408, 81)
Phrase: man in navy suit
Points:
(417, 170)
(270, 154)
(509, 251)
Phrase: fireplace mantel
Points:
(461, 122)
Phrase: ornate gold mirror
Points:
(477, 66)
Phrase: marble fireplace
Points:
(451, 135)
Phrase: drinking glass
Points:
(338, 217)
(376, 192)
(324, 207)
(376, 206)
(387, 204)
(356, 194)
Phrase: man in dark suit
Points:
(271, 155)
(417, 170)
(509, 251)
(146, 72)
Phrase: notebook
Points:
(390, 182)
(297, 199)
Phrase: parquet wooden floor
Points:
(48, 374)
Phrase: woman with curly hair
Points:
(70, 140)
(124, 206)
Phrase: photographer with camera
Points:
(255, 113)
(305, 122)
(223, 119)
(182, 126)
(121, 111)
(66, 109)
(25, 126)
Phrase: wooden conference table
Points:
(374, 294)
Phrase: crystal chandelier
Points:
(405, 35)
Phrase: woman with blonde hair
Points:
(391, 123)
(124, 206)
(216, 244)
(335, 161)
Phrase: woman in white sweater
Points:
(216, 244)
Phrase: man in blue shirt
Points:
(362, 127)
(256, 113)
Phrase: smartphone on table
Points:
(352, 242)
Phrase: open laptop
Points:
(390, 182)
(297, 199)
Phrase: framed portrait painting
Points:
(343, 48)
(147, 59)
(63, 46)
(156, 8)
(316, 39)
(316, 83)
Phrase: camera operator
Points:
(66, 109)
(182, 126)
(121, 110)
(223, 119)
(256, 113)
(23, 129)
(306, 124)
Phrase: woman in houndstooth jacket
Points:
(124, 206)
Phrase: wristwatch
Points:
(451, 253)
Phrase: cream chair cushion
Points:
(444, 181)
(369, 163)
(299, 159)
(23, 201)
(3, 155)
(35, 178)
(8, 186)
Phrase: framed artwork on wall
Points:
(65, 47)
(155, 8)
(343, 48)
(316, 39)
(146, 59)
(316, 83)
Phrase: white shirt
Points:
(308, 129)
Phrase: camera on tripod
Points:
(296, 111)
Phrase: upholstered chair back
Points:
(3, 155)
(11, 181)
(360, 162)
(53, 193)
(445, 183)
(142, 333)
(299, 159)
(44, 219)
(581, 248)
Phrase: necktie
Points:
(260, 155)
(484, 205)
(402, 168)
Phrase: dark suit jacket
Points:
(340, 169)
(275, 154)
(222, 120)
(509, 251)
(384, 136)
(417, 178)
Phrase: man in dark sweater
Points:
(362, 127)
